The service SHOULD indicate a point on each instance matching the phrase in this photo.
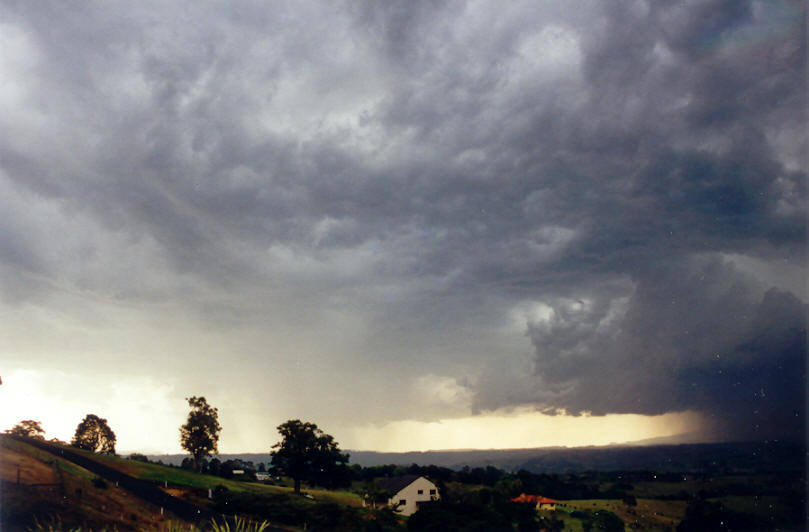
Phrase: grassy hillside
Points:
(49, 487)
(648, 514)
(180, 478)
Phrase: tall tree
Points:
(307, 453)
(200, 435)
(28, 428)
(94, 434)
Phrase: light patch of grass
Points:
(182, 477)
(648, 514)
(345, 498)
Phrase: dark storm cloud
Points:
(430, 167)
(689, 336)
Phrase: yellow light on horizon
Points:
(145, 415)
(522, 428)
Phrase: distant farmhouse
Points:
(542, 503)
(405, 493)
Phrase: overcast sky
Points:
(379, 215)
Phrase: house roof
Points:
(396, 484)
(536, 499)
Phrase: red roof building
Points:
(542, 503)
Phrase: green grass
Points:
(175, 477)
(571, 523)
(755, 483)
(650, 514)
(761, 506)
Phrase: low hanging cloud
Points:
(697, 336)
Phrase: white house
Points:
(408, 492)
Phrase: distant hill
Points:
(707, 457)
(747, 456)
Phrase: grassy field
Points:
(175, 477)
(692, 485)
(648, 514)
(52, 486)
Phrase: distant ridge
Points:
(707, 457)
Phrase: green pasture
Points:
(176, 477)
(648, 514)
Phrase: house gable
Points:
(408, 492)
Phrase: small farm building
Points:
(542, 503)
(408, 492)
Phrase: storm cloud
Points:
(599, 209)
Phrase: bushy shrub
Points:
(457, 517)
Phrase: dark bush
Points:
(630, 500)
(702, 515)
(457, 518)
(606, 520)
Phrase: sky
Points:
(419, 225)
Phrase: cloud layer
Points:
(302, 196)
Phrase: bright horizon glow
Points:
(523, 428)
(150, 423)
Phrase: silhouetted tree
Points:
(307, 453)
(200, 434)
(28, 428)
(93, 434)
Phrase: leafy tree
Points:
(200, 434)
(307, 453)
(28, 428)
(93, 434)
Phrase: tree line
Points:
(304, 454)
(92, 434)
(307, 454)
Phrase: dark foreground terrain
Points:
(714, 487)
